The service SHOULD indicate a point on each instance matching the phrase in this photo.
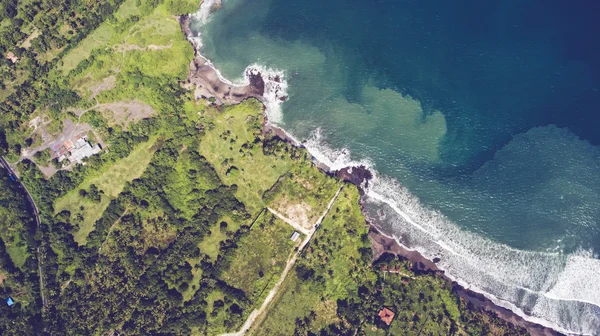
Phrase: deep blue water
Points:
(487, 111)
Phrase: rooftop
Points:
(12, 57)
(83, 149)
(295, 236)
(386, 315)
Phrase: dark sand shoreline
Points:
(204, 80)
(382, 244)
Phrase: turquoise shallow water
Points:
(481, 119)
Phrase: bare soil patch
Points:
(27, 43)
(108, 83)
(299, 213)
(122, 113)
(130, 47)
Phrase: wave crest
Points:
(542, 287)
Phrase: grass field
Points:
(153, 45)
(97, 39)
(210, 244)
(111, 180)
(228, 146)
(17, 251)
(261, 257)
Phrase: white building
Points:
(82, 149)
(295, 236)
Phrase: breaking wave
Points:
(276, 87)
(544, 288)
(560, 291)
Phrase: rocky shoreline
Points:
(204, 80)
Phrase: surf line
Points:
(277, 78)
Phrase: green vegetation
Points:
(109, 181)
(18, 268)
(330, 269)
(17, 224)
(302, 194)
(261, 257)
(42, 157)
(168, 231)
(231, 146)
(40, 33)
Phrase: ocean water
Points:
(480, 118)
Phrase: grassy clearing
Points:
(210, 244)
(337, 245)
(97, 39)
(17, 250)
(229, 147)
(153, 45)
(297, 301)
(331, 267)
(261, 257)
(111, 180)
(127, 9)
(303, 194)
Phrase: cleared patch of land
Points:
(123, 113)
(97, 38)
(210, 244)
(111, 180)
(302, 195)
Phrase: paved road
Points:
(37, 221)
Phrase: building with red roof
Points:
(386, 315)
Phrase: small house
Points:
(10, 301)
(12, 57)
(386, 315)
(295, 236)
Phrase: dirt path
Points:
(290, 263)
(296, 226)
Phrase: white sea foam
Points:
(552, 289)
(556, 290)
(275, 89)
(202, 16)
(334, 159)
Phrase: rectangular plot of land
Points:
(261, 256)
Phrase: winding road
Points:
(37, 222)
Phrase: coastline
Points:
(382, 244)
(206, 81)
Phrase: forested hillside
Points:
(191, 217)
(18, 266)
